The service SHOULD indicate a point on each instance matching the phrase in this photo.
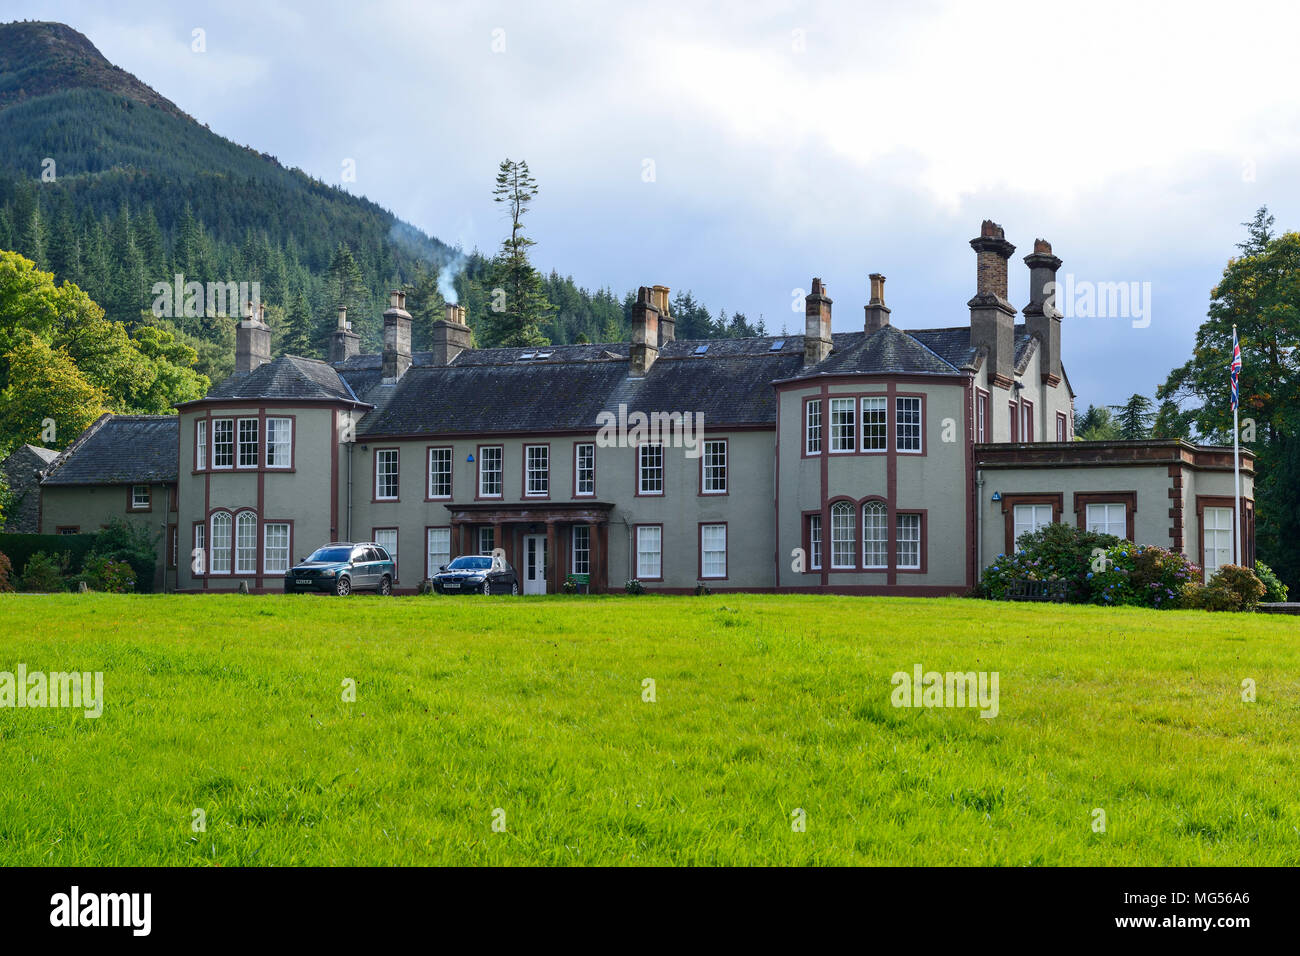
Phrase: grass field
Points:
(764, 706)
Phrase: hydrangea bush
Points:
(1142, 575)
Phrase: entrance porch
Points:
(541, 540)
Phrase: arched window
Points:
(875, 535)
(843, 535)
(220, 558)
(246, 543)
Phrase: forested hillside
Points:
(109, 185)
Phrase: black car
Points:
(476, 573)
(343, 567)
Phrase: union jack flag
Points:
(1236, 367)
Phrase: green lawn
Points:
(765, 705)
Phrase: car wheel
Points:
(487, 586)
(385, 585)
(343, 586)
(514, 587)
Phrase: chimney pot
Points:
(817, 342)
(877, 313)
(1042, 318)
(992, 318)
(645, 332)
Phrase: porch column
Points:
(553, 556)
(596, 558)
(602, 568)
(497, 540)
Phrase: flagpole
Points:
(1236, 470)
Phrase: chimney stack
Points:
(397, 338)
(645, 332)
(1042, 318)
(667, 324)
(817, 324)
(451, 335)
(992, 318)
(252, 341)
(344, 343)
(877, 311)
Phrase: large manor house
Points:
(875, 461)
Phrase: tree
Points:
(426, 305)
(1172, 422)
(296, 334)
(45, 386)
(517, 292)
(345, 287)
(1134, 418)
(1259, 293)
(1096, 424)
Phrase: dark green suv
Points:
(343, 567)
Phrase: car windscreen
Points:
(330, 554)
(472, 564)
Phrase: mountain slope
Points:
(143, 192)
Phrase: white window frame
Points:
(136, 504)
(485, 473)
(436, 474)
(242, 444)
(875, 535)
(432, 556)
(982, 401)
(1100, 517)
(200, 444)
(875, 429)
(842, 543)
(843, 442)
(272, 552)
(584, 484)
(909, 434)
(537, 471)
(812, 427)
(228, 445)
(710, 551)
(713, 474)
(649, 552)
(580, 549)
(245, 552)
(382, 454)
(392, 552)
(221, 544)
(907, 537)
(1026, 519)
(649, 469)
(487, 540)
(279, 451)
(200, 545)
(1222, 532)
(815, 542)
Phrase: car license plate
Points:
(303, 581)
(451, 585)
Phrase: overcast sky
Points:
(737, 150)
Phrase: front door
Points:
(534, 570)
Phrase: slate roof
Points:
(288, 377)
(119, 450)
(566, 387)
(45, 454)
(953, 345)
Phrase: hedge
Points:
(19, 547)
